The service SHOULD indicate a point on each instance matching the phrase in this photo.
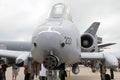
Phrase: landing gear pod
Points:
(75, 69)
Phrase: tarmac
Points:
(85, 74)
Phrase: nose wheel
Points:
(50, 62)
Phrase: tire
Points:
(107, 77)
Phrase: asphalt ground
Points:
(85, 74)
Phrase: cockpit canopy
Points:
(60, 11)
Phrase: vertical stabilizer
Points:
(93, 28)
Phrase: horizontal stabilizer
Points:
(105, 45)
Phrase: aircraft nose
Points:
(48, 40)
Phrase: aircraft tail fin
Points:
(93, 28)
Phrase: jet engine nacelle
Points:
(75, 69)
(110, 61)
(87, 42)
(22, 59)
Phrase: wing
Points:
(12, 54)
(116, 54)
(15, 45)
(110, 60)
(19, 57)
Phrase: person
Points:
(49, 75)
(29, 71)
(97, 66)
(62, 74)
(32, 71)
(1, 72)
(4, 67)
(15, 70)
(43, 73)
(112, 73)
(26, 72)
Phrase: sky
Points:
(19, 18)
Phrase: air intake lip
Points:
(87, 41)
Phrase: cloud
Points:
(19, 18)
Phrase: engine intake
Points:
(87, 42)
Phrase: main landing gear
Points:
(105, 76)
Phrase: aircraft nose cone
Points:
(48, 40)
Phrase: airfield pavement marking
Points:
(85, 74)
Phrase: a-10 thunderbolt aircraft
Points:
(58, 43)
